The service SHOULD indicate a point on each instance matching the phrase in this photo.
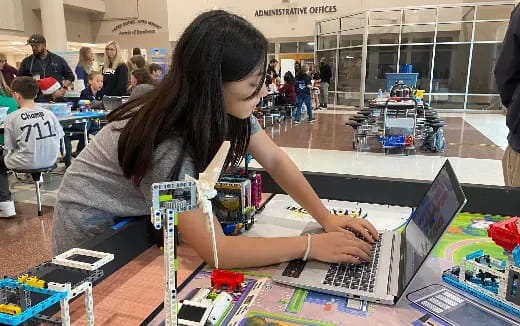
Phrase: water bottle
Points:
(380, 94)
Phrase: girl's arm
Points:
(243, 252)
(283, 170)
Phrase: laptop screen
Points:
(439, 206)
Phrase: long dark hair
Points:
(216, 47)
(289, 78)
(143, 77)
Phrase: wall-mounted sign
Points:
(297, 11)
(136, 27)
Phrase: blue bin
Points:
(409, 79)
(407, 69)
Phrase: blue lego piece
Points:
(475, 254)
(249, 158)
(516, 256)
(54, 297)
(481, 296)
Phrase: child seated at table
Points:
(94, 91)
(32, 138)
(288, 90)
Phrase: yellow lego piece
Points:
(10, 309)
(22, 278)
(35, 282)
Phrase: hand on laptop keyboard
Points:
(339, 247)
(345, 224)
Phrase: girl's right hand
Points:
(339, 247)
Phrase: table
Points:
(82, 117)
(286, 305)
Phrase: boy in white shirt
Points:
(32, 138)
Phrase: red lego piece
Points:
(233, 281)
(505, 233)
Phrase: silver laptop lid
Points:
(440, 205)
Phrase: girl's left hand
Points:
(334, 223)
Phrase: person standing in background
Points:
(326, 75)
(303, 94)
(9, 72)
(85, 65)
(507, 75)
(43, 63)
(271, 70)
(115, 71)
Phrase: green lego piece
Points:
(164, 198)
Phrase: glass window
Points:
(420, 57)
(384, 17)
(351, 38)
(450, 71)
(482, 80)
(271, 48)
(306, 47)
(327, 42)
(383, 35)
(456, 32)
(490, 31)
(456, 14)
(451, 102)
(289, 47)
(329, 26)
(491, 102)
(349, 70)
(380, 61)
(330, 58)
(494, 12)
(348, 99)
(354, 21)
(419, 16)
(418, 34)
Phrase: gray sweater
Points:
(94, 189)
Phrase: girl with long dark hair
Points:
(216, 79)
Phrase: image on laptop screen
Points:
(441, 203)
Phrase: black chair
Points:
(36, 175)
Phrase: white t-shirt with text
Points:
(32, 137)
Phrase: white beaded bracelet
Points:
(308, 247)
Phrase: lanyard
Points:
(44, 68)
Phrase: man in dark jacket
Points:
(507, 74)
(43, 63)
(326, 75)
(271, 69)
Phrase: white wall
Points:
(119, 11)
(181, 13)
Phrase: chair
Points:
(36, 175)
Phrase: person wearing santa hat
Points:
(51, 90)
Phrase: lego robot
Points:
(492, 280)
(169, 199)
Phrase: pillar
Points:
(53, 24)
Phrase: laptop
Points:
(396, 257)
(113, 102)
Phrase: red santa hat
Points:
(48, 85)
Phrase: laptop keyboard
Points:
(360, 277)
(294, 268)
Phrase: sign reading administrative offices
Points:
(296, 11)
(138, 29)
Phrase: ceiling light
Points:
(349, 57)
(18, 43)
(310, 43)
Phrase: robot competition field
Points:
(263, 302)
